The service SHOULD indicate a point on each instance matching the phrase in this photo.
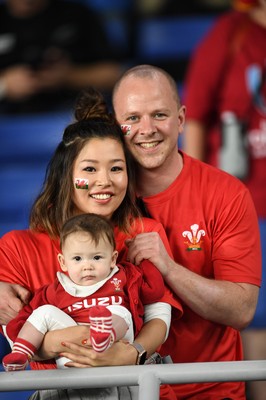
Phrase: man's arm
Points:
(223, 302)
(13, 298)
(102, 74)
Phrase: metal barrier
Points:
(147, 377)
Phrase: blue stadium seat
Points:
(4, 347)
(104, 6)
(15, 395)
(30, 138)
(19, 187)
(26, 145)
(171, 37)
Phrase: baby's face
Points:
(86, 262)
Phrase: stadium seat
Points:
(19, 187)
(30, 138)
(26, 145)
(171, 37)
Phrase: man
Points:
(211, 225)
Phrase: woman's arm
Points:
(68, 343)
(151, 336)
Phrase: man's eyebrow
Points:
(160, 110)
(126, 114)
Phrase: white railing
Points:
(147, 377)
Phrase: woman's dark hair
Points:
(55, 205)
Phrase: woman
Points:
(90, 172)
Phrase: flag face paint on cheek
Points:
(126, 129)
(81, 183)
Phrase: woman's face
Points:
(100, 177)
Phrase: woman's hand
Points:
(83, 356)
(151, 336)
(74, 344)
(52, 343)
(13, 298)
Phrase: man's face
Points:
(150, 110)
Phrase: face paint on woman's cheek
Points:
(81, 183)
(126, 129)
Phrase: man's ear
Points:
(181, 118)
(61, 260)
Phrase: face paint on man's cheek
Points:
(81, 183)
(126, 129)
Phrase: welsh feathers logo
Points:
(194, 237)
(116, 282)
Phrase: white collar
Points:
(82, 291)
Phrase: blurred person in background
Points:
(225, 94)
(173, 7)
(49, 50)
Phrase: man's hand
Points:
(13, 298)
(148, 246)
